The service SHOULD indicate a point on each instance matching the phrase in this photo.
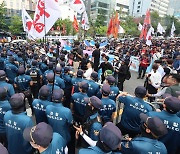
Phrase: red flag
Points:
(77, 2)
(116, 25)
(75, 24)
(147, 22)
(110, 27)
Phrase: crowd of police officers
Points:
(47, 108)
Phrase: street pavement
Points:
(130, 85)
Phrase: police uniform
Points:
(43, 67)
(45, 75)
(172, 122)
(93, 88)
(91, 150)
(59, 82)
(75, 82)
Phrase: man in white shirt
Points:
(160, 68)
(89, 70)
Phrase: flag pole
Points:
(45, 21)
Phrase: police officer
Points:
(76, 80)
(50, 85)
(109, 106)
(4, 107)
(114, 89)
(36, 77)
(50, 70)
(11, 70)
(43, 65)
(109, 140)
(19, 58)
(16, 121)
(7, 86)
(22, 83)
(3, 60)
(93, 86)
(78, 105)
(151, 130)
(40, 104)
(58, 80)
(172, 121)
(68, 86)
(42, 138)
(59, 117)
(133, 106)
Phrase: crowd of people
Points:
(54, 101)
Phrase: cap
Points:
(66, 69)
(44, 91)
(3, 92)
(50, 76)
(106, 90)
(57, 95)
(2, 74)
(17, 100)
(111, 135)
(155, 124)
(41, 134)
(173, 104)
(3, 150)
(34, 62)
(94, 75)
(80, 73)
(111, 79)
(140, 91)
(95, 101)
(58, 69)
(21, 70)
(84, 85)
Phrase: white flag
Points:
(46, 14)
(78, 6)
(26, 20)
(85, 21)
(149, 36)
(160, 29)
(173, 28)
(121, 30)
(140, 27)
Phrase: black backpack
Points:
(34, 75)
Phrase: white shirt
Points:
(156, 56)
(87, 74)
(155, 79)
(161, 71)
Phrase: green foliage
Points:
(155, 19)
(2, 15)
(16, 25)
(101, 30)
(100, 18)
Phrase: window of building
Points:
(138, 7)
(139, 2)
(137, 10)
(103, 5)
(11, 4)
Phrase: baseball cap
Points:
(41, 134)
(173, 104)
(95, 101)
(21, 70)
(80, 73)
(57, 95)
(84, 85)
(17, 100)
(140, 91)
(44, 91)
(111, 135)
(155, 124)
(58, 69)
(2, 74)
(3, 150)
(111, 80)
(105, 89)
(50, 76)
(3, 93)
(94, 75)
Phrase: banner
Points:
(85, 21)
(134, 63)
(78, 6)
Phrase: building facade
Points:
(174, 8)
(138, 8)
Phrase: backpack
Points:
(128, 75)
(34, 75)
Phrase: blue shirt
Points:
(59, 82)
(50, 86)
(15, 125)
(91, 150)
(45, 75)
(75, 82)
(23, 82)
(133, 107)
(8, 87)
(11, 72)
(114, 92)
(67, 80)
(39, 107)
(172, 122)
(143, 145)
(60, 118)
(79, 104)
(109, 106)
(43, 67)
(93, 88)
(4, 107)
(56, 146)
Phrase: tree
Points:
(101, 30)
(16, 25)
(155, 19)
(100, 18)
(2, 15)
